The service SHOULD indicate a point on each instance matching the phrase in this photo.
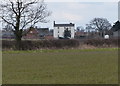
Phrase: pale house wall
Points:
(72, 32)
(59, 31)
(55, 32)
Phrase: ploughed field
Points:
(72, 66)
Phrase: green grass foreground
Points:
(72, 66)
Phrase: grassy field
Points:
(73, 66)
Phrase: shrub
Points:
(38, 44)
(102, 42)
(8, 44)
(59, 44)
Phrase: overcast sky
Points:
(80, 13)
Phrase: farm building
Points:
(42, 32)
(116, 29)
(31, 33)
(37, 33)
(116, 33)
(64, 30)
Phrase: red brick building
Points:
(31, 33)
(37, 33)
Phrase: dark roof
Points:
(42, 28)
(63, 25)
(116, 26)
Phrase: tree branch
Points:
(13, 7)
(8, 22)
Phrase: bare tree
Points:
(22, 14)
(89, 27)
(101, 25)
(80, 28)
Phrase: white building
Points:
(59, 30)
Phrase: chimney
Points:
(54, 22)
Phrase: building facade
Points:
(37, 33)
(42, 32)
(64, 31)
(31, 33)
(116, 34)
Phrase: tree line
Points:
(101, 26)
